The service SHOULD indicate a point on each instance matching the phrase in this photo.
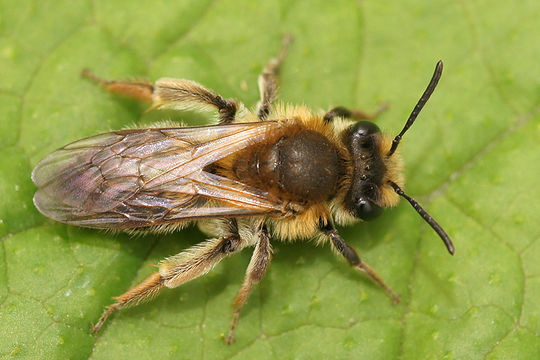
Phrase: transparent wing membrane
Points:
(147, 177)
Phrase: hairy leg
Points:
(268, 80)
(179, 269)
(350, 254)
(139, 90)
(341, 111)
(260, 261)
(169, 93)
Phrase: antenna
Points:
(423, 100)
(423, 213)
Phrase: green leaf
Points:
(472, 160)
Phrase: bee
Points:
(277, 172)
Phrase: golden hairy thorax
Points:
(305, 164)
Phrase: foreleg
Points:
(343, 112)
(350, 254)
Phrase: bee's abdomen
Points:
(304, 166)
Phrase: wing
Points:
(146, 177)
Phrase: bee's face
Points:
(363, 197)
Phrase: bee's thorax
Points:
(304, 166)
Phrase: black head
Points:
(362, 140)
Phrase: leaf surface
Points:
(472, 160)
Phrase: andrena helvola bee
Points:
(280, 172)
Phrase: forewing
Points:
(146, 177)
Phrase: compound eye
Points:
(365, 128)
(366, 209)
(361, 139)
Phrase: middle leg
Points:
(255, 272)
(268, 80)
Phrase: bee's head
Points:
(369, 191)
(376, 179)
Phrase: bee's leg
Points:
(181, 94)
(340, 111)
(145, 290)
(169, 93)
(349, 253)
(178, 269)
(139, 90)
(257, 267)
(268, 80)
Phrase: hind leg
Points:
(139, 90)
(179, 269)
(169, 93)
